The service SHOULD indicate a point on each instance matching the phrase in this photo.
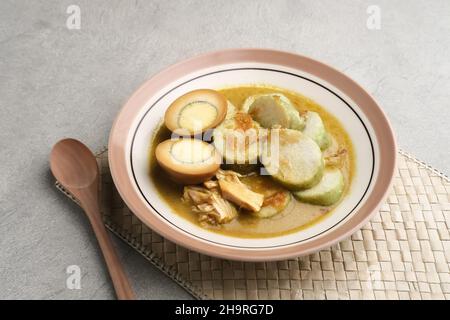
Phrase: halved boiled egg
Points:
(195, 112)
(188, 160)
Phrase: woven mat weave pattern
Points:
(402, 253)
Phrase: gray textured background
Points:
(57, 83)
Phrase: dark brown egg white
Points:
(187, 160)
(195, 112)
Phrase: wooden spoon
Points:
(75, 167)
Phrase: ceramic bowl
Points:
(365, 122)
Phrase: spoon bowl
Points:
(71, 153)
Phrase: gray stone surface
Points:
(57, 83)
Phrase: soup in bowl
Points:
(240, 197)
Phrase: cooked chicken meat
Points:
(210, 205)
(235, 191)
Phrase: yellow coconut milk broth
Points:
(297, 215)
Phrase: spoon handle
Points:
(116, 271)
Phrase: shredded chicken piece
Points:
(196, 194)
(228, 174)
(235, 191)
(213, 200)
(211, 184)
(210, 205)
(241, 195)
(336, 159)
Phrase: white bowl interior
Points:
(329, 97)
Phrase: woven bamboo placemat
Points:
(402, 253)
